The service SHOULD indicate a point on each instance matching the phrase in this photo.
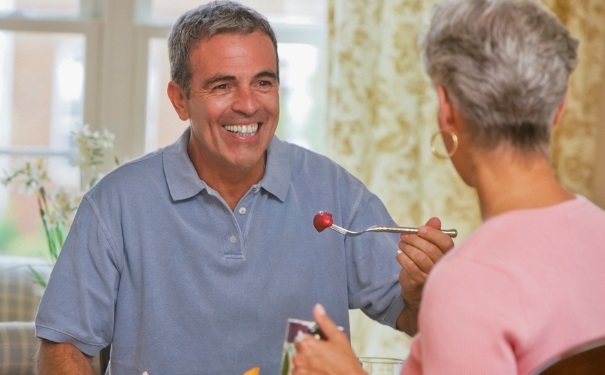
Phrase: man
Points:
(191, 259)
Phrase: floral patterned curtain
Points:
(579, 142)
(382, 112)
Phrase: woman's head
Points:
(505, 65)
(205, 21)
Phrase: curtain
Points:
(575, 141)
(382, 112)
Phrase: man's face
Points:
(233, 104)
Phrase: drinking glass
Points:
(381, 366)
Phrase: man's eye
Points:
(221, 87)
(265, 83)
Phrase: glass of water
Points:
(381, 365)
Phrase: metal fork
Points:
(376, 228)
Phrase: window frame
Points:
(90, 29)
(117, 35)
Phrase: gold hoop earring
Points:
(451, 152)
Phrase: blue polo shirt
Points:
(158, 266)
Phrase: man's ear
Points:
(560, 110)
(178, 99)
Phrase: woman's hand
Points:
(331, 355)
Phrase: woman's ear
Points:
(446, 109)
(560, 110)
(178, 99)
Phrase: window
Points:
(65, 63)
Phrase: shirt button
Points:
(233, 239)
(242, 210)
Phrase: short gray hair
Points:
(205, 21)
(505, 65)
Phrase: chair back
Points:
(19, 294)
(584, 359)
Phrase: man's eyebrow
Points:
(266, 74)
(230, 78)
(218, 78)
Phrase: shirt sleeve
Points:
(373, 270)
(468, 318)
(78, 304)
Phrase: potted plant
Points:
(57, 205)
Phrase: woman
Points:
(527, 284)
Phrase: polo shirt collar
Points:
(278, 169)
(183, 181)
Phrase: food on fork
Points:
(322, 220)
(253, 371)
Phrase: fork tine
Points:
(344, 231)
(338, 229)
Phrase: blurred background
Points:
(352, 88)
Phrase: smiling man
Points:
(232, 104)
(191, 259)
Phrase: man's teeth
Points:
(242, 129)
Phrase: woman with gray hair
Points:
(520, 289)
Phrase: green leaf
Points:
(285, 370)
(38, 278)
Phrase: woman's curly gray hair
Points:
(505, 65)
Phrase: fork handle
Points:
(450, 232)
(409, 230)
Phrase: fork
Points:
(377, 228)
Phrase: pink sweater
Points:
(525, 286)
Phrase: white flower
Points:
(28, 176)
(91, 146)
(62, 206)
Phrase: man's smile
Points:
(243, 130)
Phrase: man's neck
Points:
(231, 183)
(233, 187)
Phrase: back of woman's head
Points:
(505, 65)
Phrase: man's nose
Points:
(245, 101)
